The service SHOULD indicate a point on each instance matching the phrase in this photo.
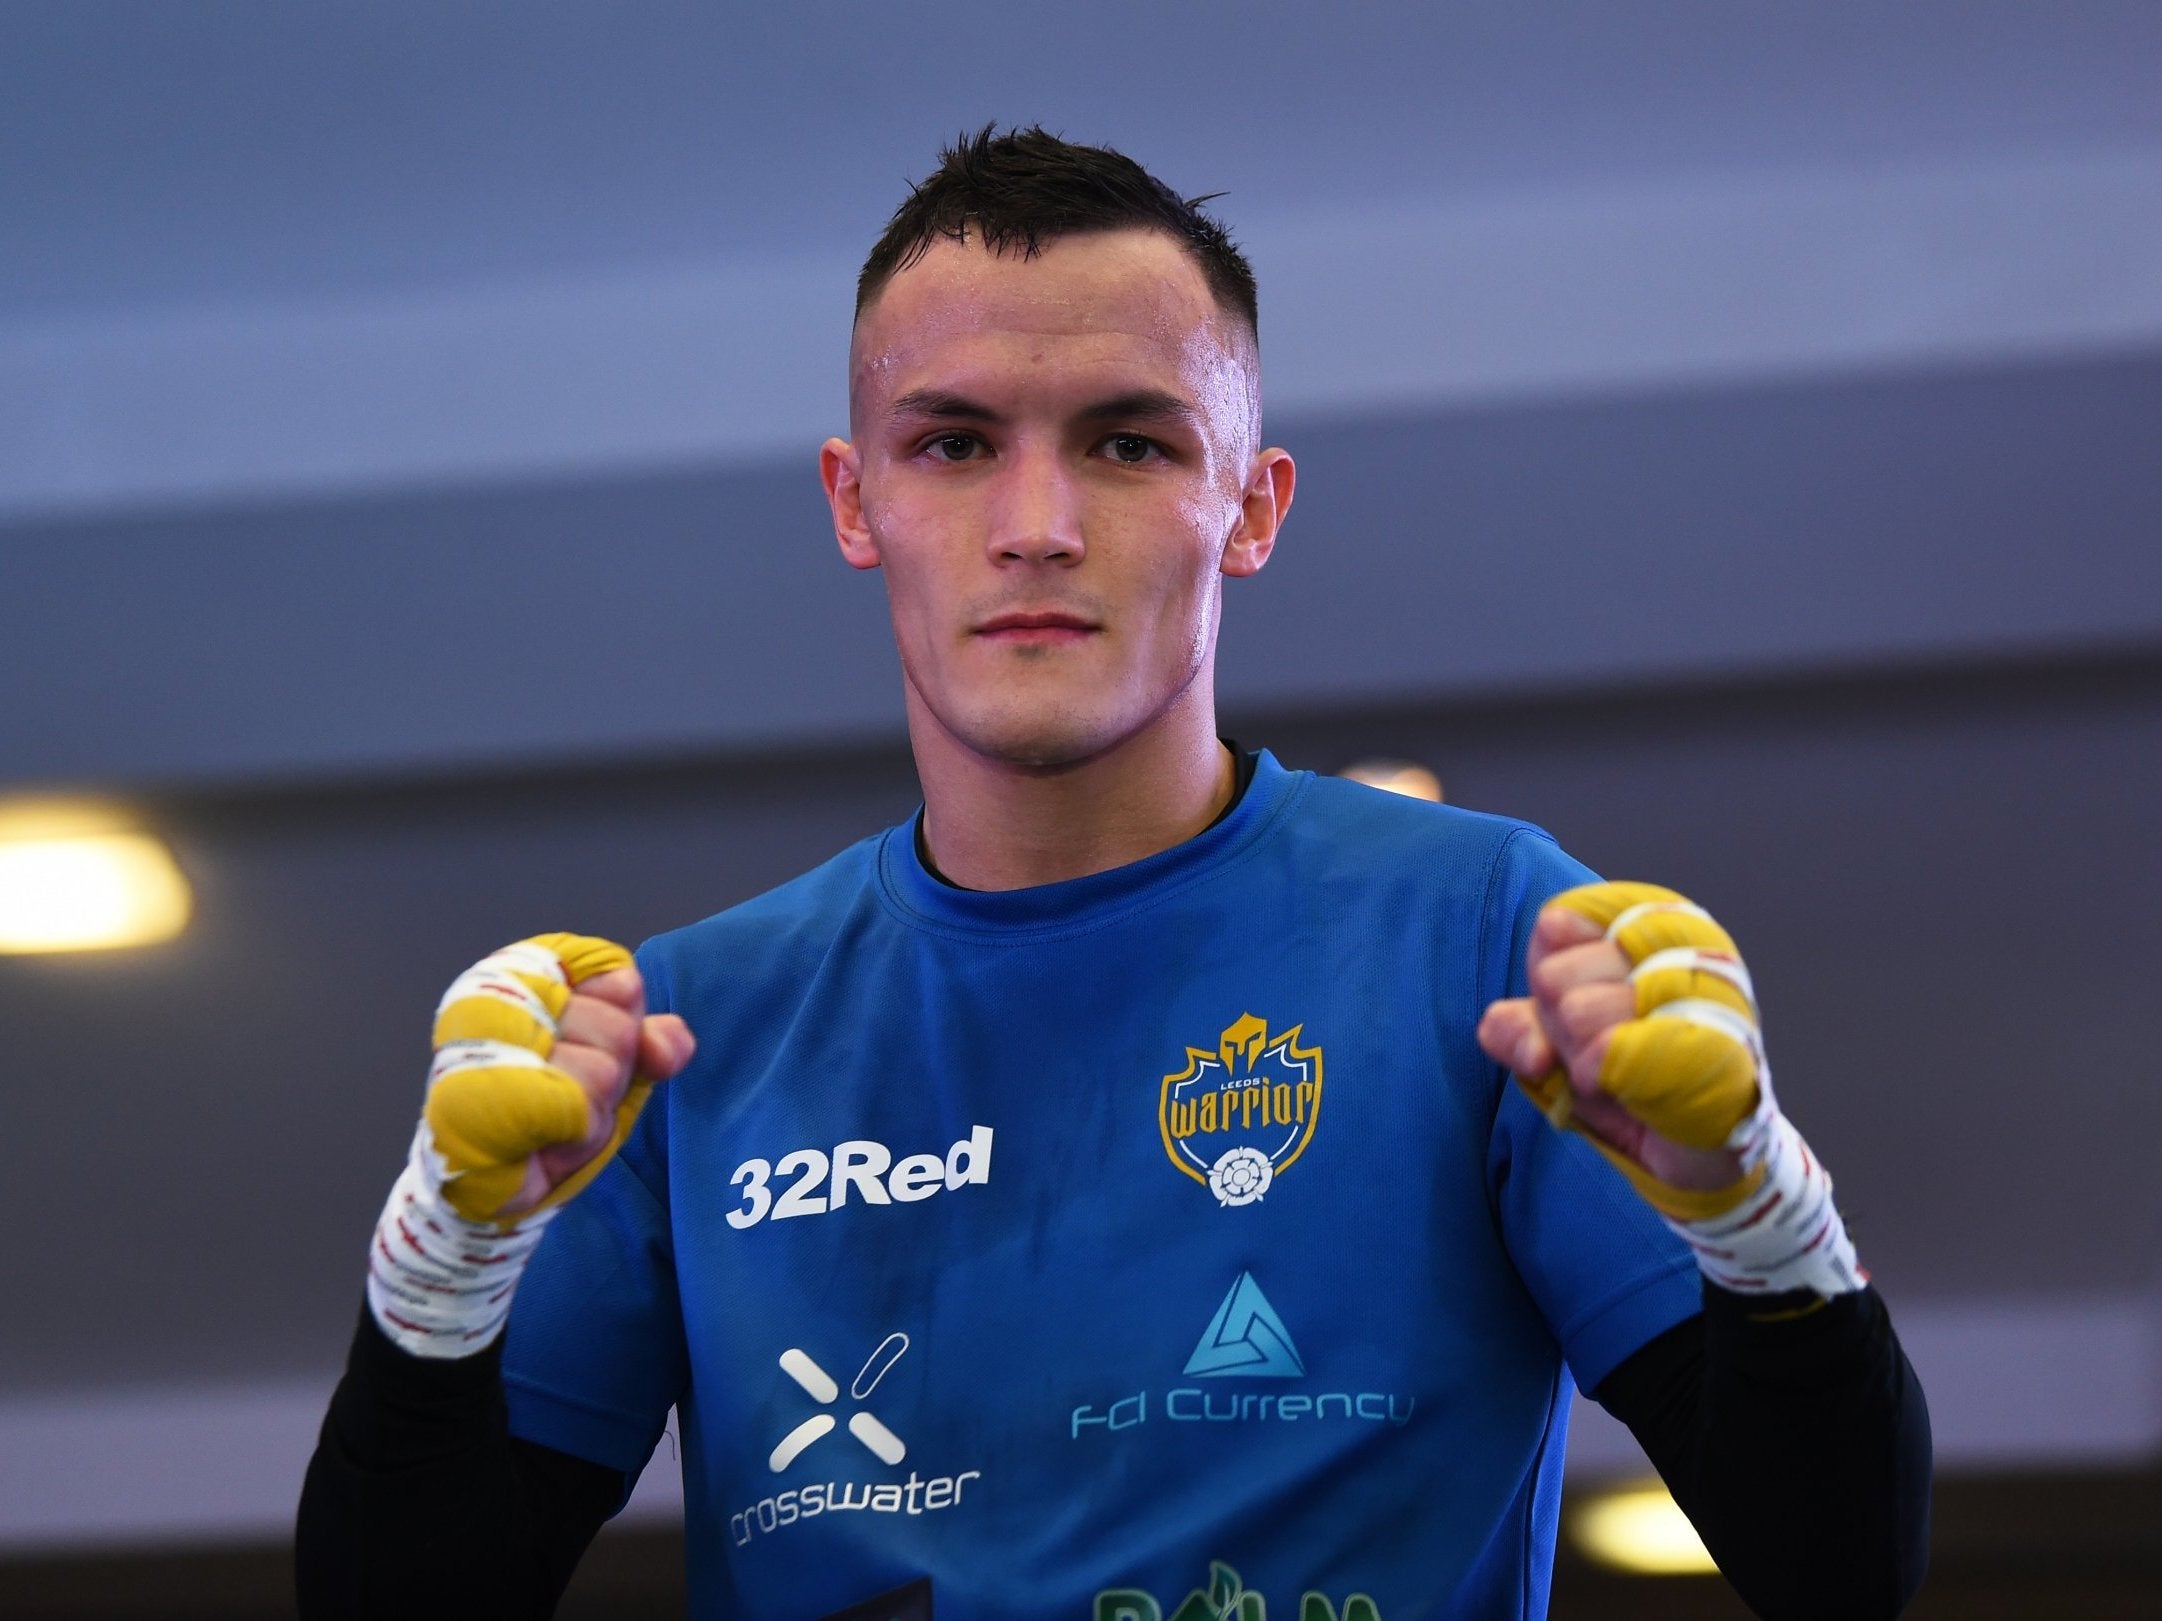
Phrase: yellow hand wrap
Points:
(494, 1099)
(445, 1262)
(1690, 1065)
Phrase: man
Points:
(1104, 1195)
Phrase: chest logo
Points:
(820, 1386)
(844, 1490)
(1245, 1339)
(1236, 1117)
(822, 1182)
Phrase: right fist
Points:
(544, 1056)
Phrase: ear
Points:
(840, 469)
(1261, 513)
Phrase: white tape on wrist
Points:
(439, 1285)
(1788, 1234)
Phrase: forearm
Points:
(1795, 1435)
(419, 1502)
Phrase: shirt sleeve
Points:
(1605, 1271)
(594, 1355)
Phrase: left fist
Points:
(1641, 1032)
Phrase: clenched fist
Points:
(1641, 1032)
(544, 1055)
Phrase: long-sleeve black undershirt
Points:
(1799, 1445)
(1795, 1435)
(419, 1502)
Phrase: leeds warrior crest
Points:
(1236, 1117)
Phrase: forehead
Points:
(1104, 302)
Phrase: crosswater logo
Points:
(818, 1384)
(918, 1494)
(1225, 1599)
(1237, 1116)
(1245, 1339)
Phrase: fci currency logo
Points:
(1246, 1344)
(1245, 1339)
(1236, 1117)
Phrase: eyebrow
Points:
(1143, 405)
(937, 402)
(1135, 405)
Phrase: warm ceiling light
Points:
(1396, 777)
(76, 881)
(1639, 1529)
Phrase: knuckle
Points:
(598, 1023)
(597, 1072)
(1586, 1010)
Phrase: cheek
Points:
(918, 621)
(909, 552)
(913, 598)
(1183, 585)
(1192, 574)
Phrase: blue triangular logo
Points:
(1246, 1339)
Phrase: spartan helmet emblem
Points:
(1242, 1042)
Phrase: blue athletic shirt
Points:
(1078, 1250)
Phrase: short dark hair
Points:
(1026, 188)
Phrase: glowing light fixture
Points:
(74, 879)
(1396, 777)
(1641, 1530)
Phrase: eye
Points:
(1131, 448)
(952, 447)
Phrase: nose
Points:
(1037, 512)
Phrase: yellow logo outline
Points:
(1247, 1037)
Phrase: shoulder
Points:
(1466, 883)
(776, 934)
(1388, 832)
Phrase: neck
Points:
(992, 824)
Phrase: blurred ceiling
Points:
(168, 155)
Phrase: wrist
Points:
(1787, 1235)
(440, 1286)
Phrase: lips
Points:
(1036, 626)
(1046, 619)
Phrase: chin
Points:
(1041, 742)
